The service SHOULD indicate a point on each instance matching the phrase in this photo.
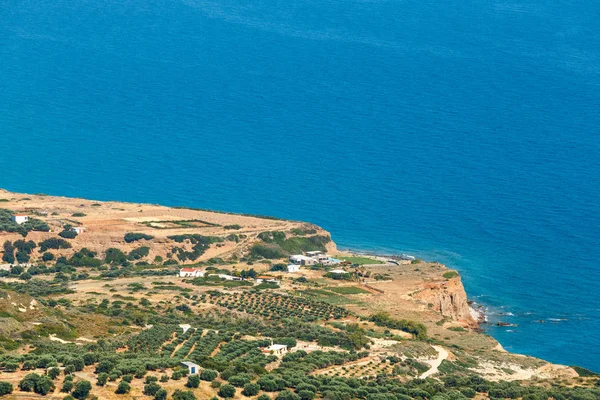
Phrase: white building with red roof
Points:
(19, 218)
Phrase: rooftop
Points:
(277, 347)
(189, 364)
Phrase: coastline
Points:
(423, 293)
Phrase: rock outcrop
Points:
(447, 297)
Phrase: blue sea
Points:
(466, 132)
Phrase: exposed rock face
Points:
(448, 298)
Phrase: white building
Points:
(193, 369)
(300, 259)
(313, 254)
(327, 260)
(78, 229)
(266, 279)
(227, 277)
(190, 273)
(276, 349)
(19, 218)
(293, 268)
(338, 271)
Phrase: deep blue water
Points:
(462, 131)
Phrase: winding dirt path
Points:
(435, 363)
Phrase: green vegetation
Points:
(139, 342)
(39, 384)
(276, 306)
(358, 260)
(5, 388)
(139, 253)
(83, 258)
(78, 214)
(450, 274)
(385, 320)
(200, 245)
(266, 251)
(134, 237)
(54, 243)
(33, 224)
(82, 389)
(305, 230)
(584, 372)
(234, 226)
(115, 256)
(68, 234)
(275, 245)
(227, 391)
(346, 290)
(222, 351)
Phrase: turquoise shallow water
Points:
(463, 131)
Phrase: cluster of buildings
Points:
(310, 258)
(197, 273)
(295, 263)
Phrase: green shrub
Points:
(138, 253)
(227, 391)
(53, 373)
(67, 386)
(134, 237)
(151, 389)
(114, 256)
(266, 251)
(123, 388)
(68, 234)
(193, 381)
(102, 378)
(9, 252)
(208, 375)
(468, 392)
(39, 384)
(161, 394)
(5, 388)
(22, 257)
(287, 395)
(239, 380)
(47, 256)
(385, 320)
(450, 274)
(250, 389)
(78, 214)
(183, 395)
(306, 395)
(584, 372)
(54, 243)
(82, 389)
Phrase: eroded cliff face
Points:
(449, 298)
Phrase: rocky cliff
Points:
(448, 298)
